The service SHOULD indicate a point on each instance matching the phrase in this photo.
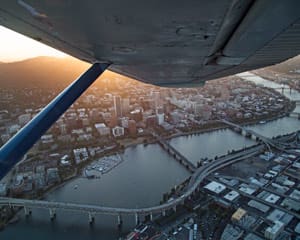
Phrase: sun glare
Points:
(16, 47)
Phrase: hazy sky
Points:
(15, 47)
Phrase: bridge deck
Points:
(197, 178)
(171, 149)
(268, 141)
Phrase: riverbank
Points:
(222, 126)
(131, 142)
(273, 77)
(148, 139)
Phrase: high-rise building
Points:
(94, 114)
(132, 128)
(136, 115)
(113, 121)
(124, 122)
(125, 106)
(160, 118)
(156, 97)
(117, 106)
(151, 121)
(63, 128)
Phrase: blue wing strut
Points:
(13, 151)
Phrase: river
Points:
(140, 180)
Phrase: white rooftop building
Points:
(278, 215)
(259, 206)
(80, 154)
(297, 228)
(247, 189)
(295, 195)
(273, 232)
(215, 187)
(102, 129)
(272, 198)
(118, 131)
(231, 196)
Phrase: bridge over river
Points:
(277, 143)
(196, 179)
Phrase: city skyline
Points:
(81, 143)
(183, 146)
(150, 120)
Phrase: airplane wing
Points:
(164, 42)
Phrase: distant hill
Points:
(46, 72)
(40, 72)
(291, 66)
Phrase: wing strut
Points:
(13, 151)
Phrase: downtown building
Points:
(118, 106)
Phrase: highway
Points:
(196, 179)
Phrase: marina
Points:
(147, 170)
(102, 166)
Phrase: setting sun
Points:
(16, 47)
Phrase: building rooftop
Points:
(215, 187)
(295, 195)
(100, 125)
(272, 198)
(291, 204)
(252, 236)
(231, 233)
(276, 228)
(238, 214)
(278, 215)
(246, 189)
(232, 195)
(297, 228)
(259, 206)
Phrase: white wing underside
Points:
(164, 42)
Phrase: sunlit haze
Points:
(16, 47)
